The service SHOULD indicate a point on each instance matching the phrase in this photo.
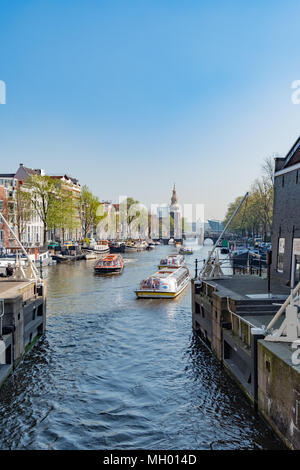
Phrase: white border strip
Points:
(287, 170)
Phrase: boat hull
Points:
(117, 249)
(130, 249)
(67, 258)
(144, 294)
(108, 270)
(163, 266)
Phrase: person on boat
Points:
(9, 270)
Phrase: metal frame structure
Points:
(212, 267)
(289, 331)
(32, 267)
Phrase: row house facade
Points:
(32, 235)
(33, 232)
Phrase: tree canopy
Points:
(255, 216)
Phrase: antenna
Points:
(221, 235)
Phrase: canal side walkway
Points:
(22, 320)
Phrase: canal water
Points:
(116, 372)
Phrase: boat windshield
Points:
(164, 279)
(171, 261)
(112, 262)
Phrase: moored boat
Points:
(101, 246)
(141, 245)
(90, 255)
(185, 251)
(117, 247)
(130, 247)
(109, 264)
(172, 261)
(164, 284)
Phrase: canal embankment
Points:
(231, 315)
(22, 320)
(115, 372)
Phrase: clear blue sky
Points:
(130, 96)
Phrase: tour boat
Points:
(100, 247)
(109, 264)
(164, 284)
(171, 241)
(141, 245)
(130, 247)
(172, 261)
(185, 251)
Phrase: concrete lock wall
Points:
(279, 395)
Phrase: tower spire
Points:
(174, 199)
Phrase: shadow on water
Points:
(116, 372)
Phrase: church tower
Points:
(175, 213)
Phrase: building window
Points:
(296, 253)
(281, 243)
(282, 181)
(297, 176)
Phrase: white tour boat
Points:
(100, 247)
(172, 261)
(164, 284)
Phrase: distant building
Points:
(175, 213)
(11, 182)
(286, 216)
(33, 235)
(34, 230)
(109, 228)
(215, 225)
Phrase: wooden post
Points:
(269, 262)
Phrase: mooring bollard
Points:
(41, 268)
(260, 267)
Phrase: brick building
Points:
(286, 216)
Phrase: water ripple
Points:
(114, 372)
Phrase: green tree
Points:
(67, 212)
(133, 213)
(44, 192)
(255, 216)
(89, 205)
